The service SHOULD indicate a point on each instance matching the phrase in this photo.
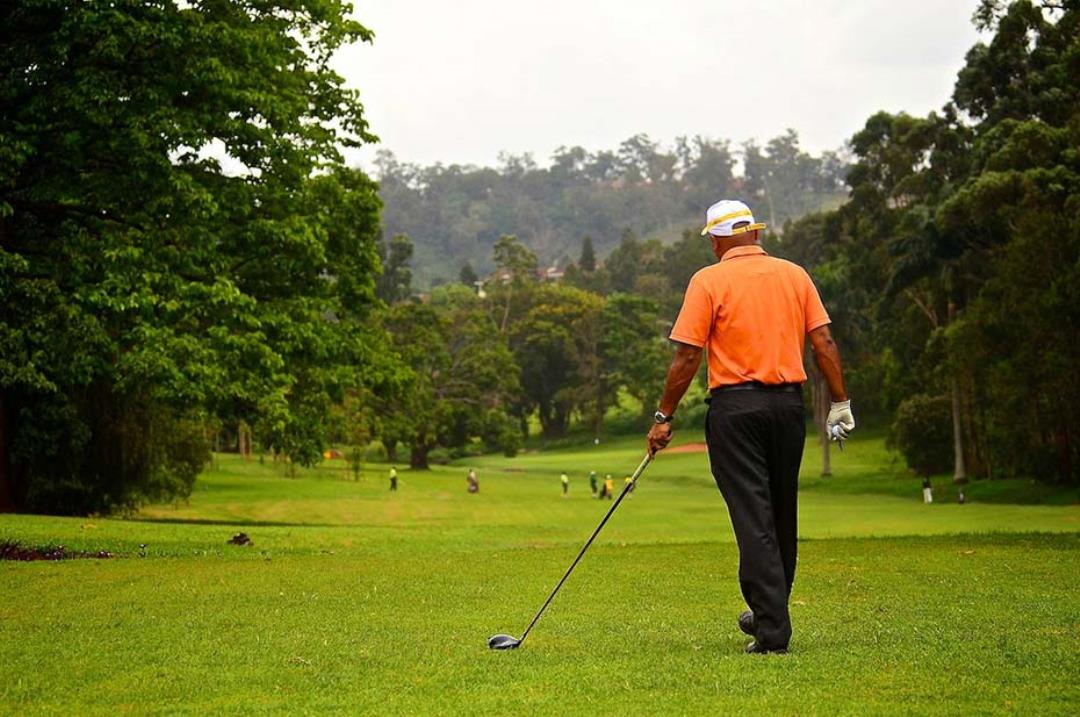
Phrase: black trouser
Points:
(755, 439)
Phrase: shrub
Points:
(922, 431)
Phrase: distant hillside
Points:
(454, 214)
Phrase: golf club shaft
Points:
(626, 489)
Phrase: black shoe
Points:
(755, 649)
(747, 623)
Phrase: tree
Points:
(635, 350)
(556, 344)
(707, 170)
(395, 283)
(652, 190)
(957, 248)
(463, 376)
(921, 433)
(468, 276)
(516, 273)
(146, 288)
(587, 260)
(625, 263)
(681, 261)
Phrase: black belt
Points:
(758, 386)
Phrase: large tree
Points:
(178, 239)
(463, 376)
(557, 344)
(636, 350)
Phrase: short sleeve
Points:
(695, 320)
(813, 309)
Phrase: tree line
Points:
(953, 270)
(153, 300)
(480, 364)
(641, 187)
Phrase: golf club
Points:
(509, 642)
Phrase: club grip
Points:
(641, 468)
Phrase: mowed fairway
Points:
(355, 600)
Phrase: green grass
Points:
(355, 600)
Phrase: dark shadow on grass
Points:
(241, 522)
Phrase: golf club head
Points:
(503, 642)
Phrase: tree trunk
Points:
(553, 420)
(391, 450)
(821, 398)
(7, 489)
(418, 458)
(1064, 456)
(506, 311)
(975, 458)
(772, 211)
(243, 440)
(959, 471)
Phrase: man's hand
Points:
(840, 416)
(658, 438)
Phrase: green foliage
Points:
(922, 431)
(142, 281)
(395, 283)
(461, 377)
(636, 352)
(514, 259)
(642, 187)
(587, 260)
(951, 269)
(557, 346)
(467, 275)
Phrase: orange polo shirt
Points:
(751, 312)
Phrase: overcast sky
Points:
(458, 81)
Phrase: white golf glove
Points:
(840, 422)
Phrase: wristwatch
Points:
(661, 417)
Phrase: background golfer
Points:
(753, 312)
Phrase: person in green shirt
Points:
(565, 480)
(393, 478)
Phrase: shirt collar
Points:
(745, 250)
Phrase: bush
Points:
(922, 431)
(108, 452)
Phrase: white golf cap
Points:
(723, 215)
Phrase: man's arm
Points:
(684, 366)
(840, 422)
(828, 360)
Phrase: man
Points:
(474, 482)
(592, 482)
(565, 480)
(393, 478)
(752, 312)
